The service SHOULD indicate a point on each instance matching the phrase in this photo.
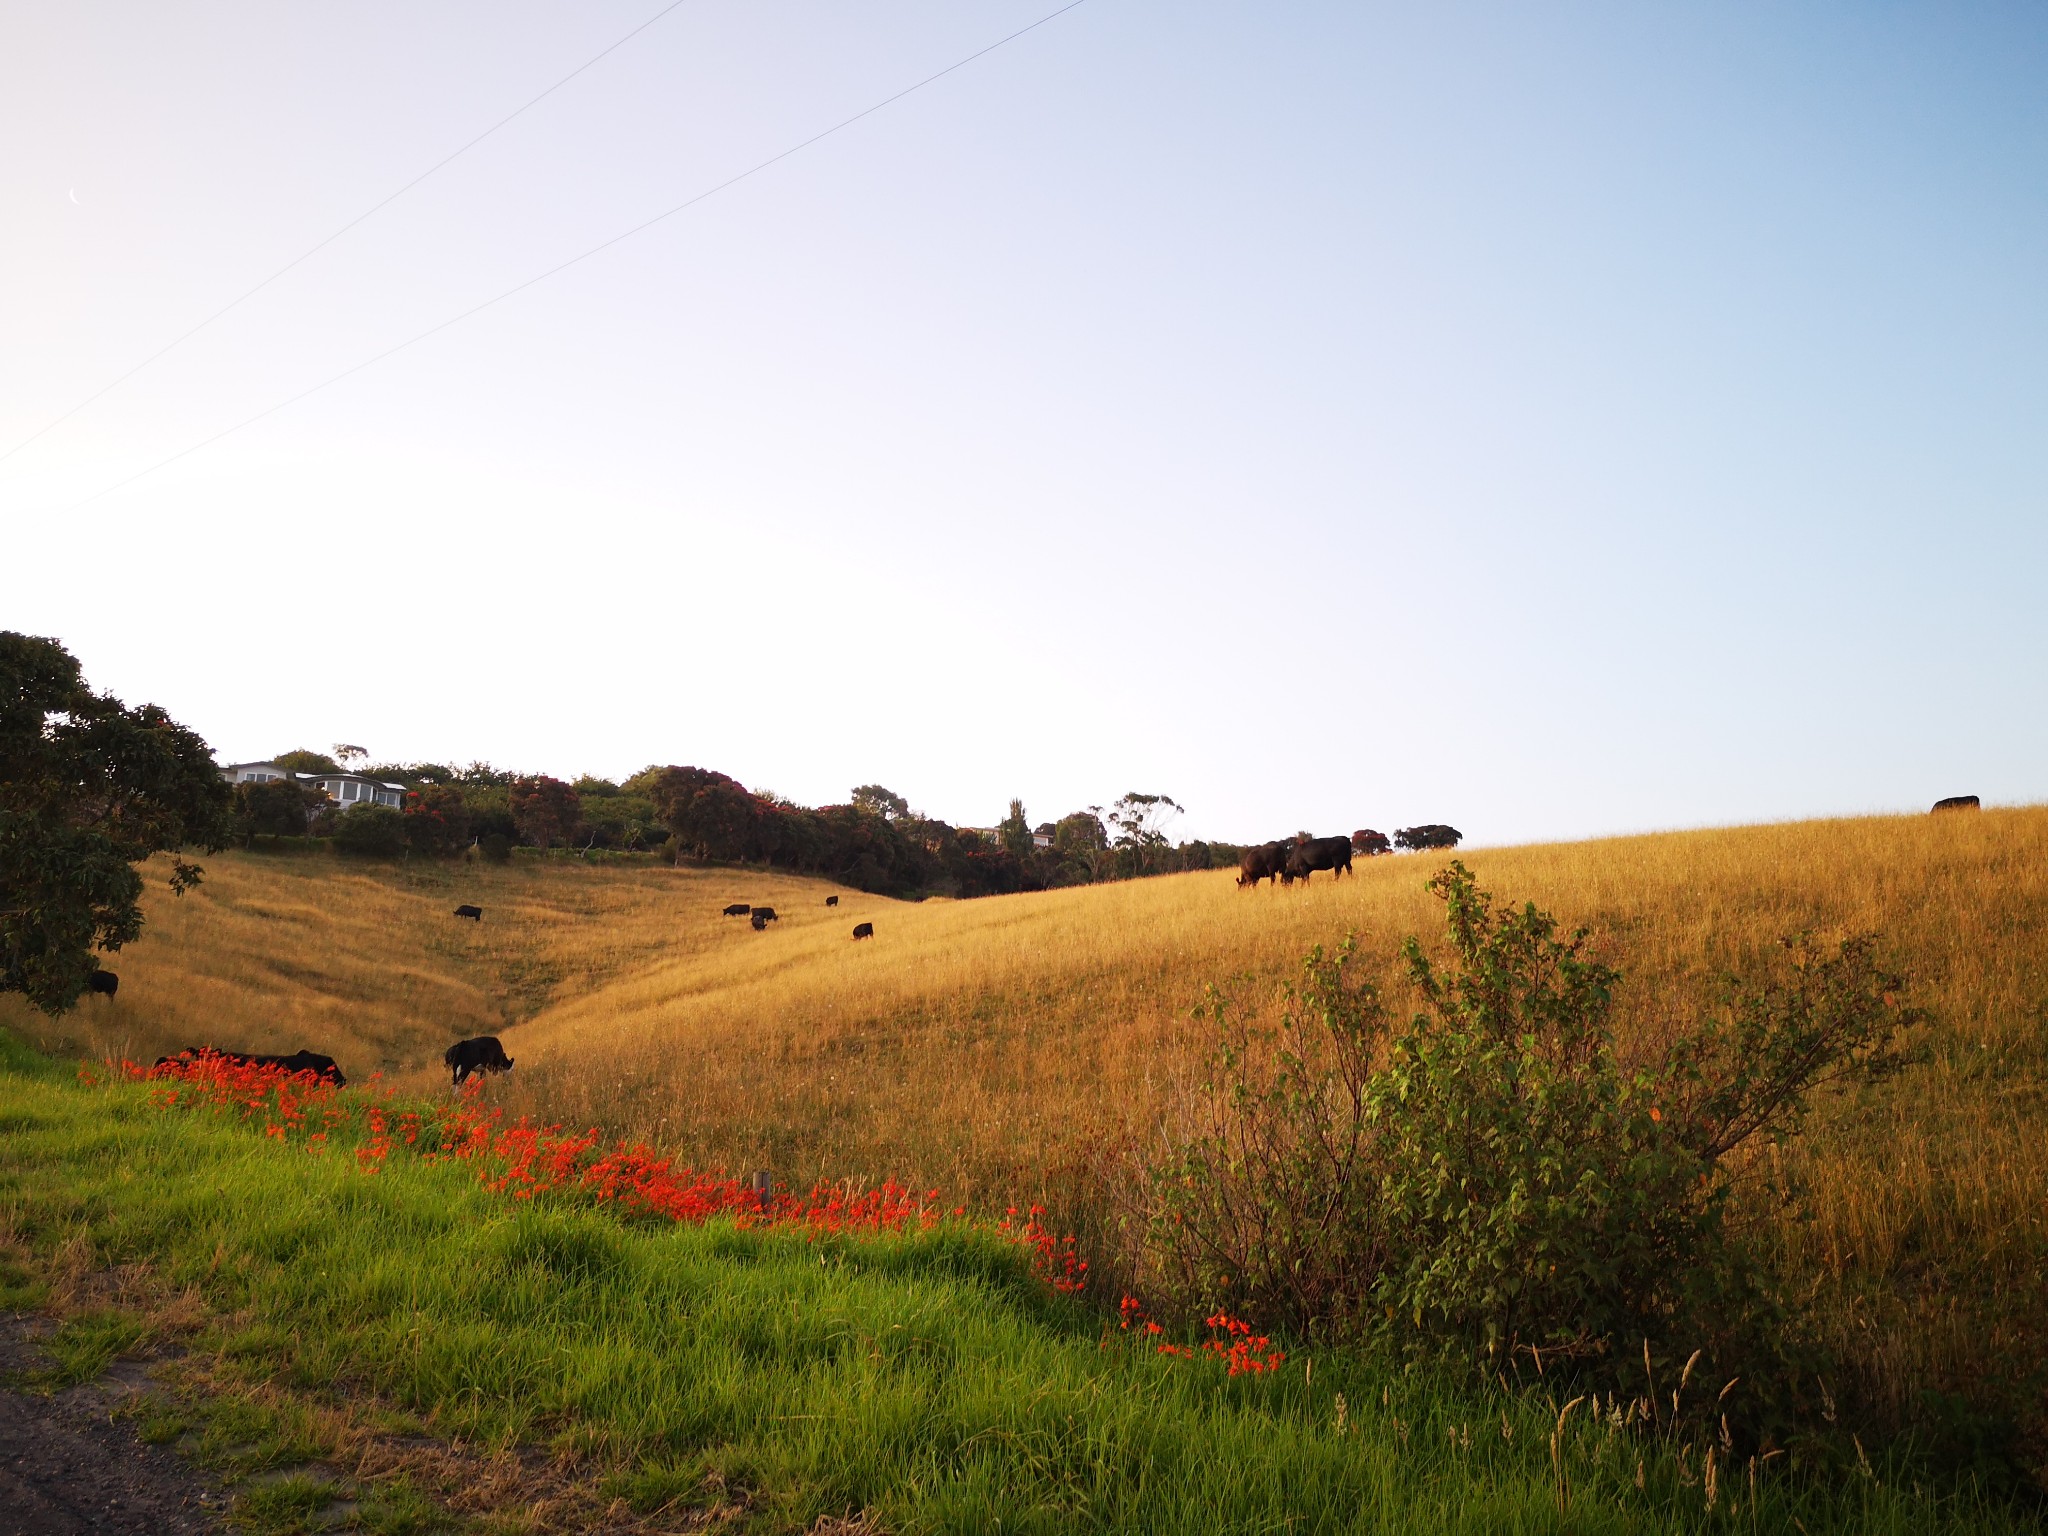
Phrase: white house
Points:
(345, 789)
(354, 789)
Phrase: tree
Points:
(1431, 835)
(375, 831)
(299, 760)
(545, 810)
(708, 814)
(1014, 832)
(88, 789)
(280, 807)
(1370, 844)
(436, 819)
(1140, 821)
(883, 802)
(349, 755)
(1082, 843)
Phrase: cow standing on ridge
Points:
(1331, 853)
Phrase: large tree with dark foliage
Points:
(1432, 835)
(545, 810)
(89, 788)
(280, 807)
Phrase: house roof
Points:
(360, 778)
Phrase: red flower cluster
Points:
(1244, 1352)
(524, 1159)
(1247, 1353)
(287, 1101)
(1054, 1260)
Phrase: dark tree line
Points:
(876, 842)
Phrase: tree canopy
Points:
(89, 788)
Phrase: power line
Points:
(559, 267)
(178, 341)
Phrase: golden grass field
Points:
(986, 1046)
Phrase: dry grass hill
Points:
(986, 1046)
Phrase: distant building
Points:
(1042, 837)
(354, 789)
(345, 789)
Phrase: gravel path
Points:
(70, 1464)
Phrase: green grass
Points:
(925, 1379)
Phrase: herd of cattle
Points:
(464, 1059)
(761, 917)
(1297, 858)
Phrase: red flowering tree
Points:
(546, 811)
(436, 819)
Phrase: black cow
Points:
(766, 914)
(322, 1067)
(831, 901)
(1368, 844)
(103, 983)
(474, 914)
(1332, 853)
(863, 930)
(1268, 861)
(1958, 803)
(737, 909)
(760, 922)
(483, 1054)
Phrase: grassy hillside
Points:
(469, 1361)
(976, 1045)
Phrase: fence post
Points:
(762, 1186)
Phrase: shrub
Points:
(372, 830)
(436, 819)
(1494, 1176)
(280, 807)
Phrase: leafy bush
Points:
(374, 830)
(280, 807)
(436, 819)
(1494, 1177)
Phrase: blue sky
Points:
(1552, 421)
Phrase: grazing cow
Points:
(1268, 861)
(760, 922)
(483, 1054)
(102, 983)
(1367, 843)
(831, 901)
(474, 914)
(766, 914)
(1332, 853)
(1958, 803)
(863, 930)
(322, 1067)
(737, 909)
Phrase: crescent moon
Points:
(74, 197)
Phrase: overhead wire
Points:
(313, 250)
(583, 256)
